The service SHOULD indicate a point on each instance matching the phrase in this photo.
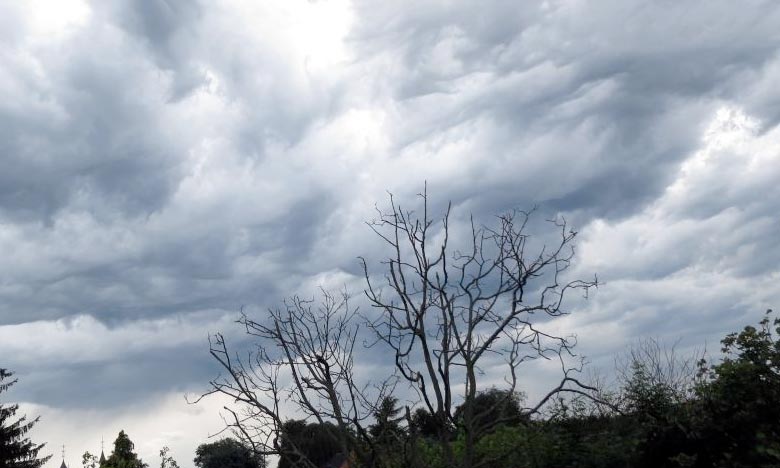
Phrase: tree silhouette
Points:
(443, 314)
(166, 459)
(16, 449)
(226, 453)
(315, 443)
(452, 304)
(123, 455)
(737, 422)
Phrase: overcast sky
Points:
(165, 162)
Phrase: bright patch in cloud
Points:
(55, 18)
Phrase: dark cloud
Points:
(167, 29)
(85, 129)
(620, 87)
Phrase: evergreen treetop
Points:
(16, 449)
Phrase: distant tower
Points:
(102, 454)
(63, 465)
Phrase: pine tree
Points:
(16, 449)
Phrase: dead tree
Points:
(450, 314)
(444, 316)
(304, 356)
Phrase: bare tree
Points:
(445, 315)
(450, 314)
(304, 356)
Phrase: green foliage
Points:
(656, 414)
(226, 453)
(494, 406)
(646, 396)
(504, 447)
(123, 455)
(738, 419)
(429, 453)
(387, 434)
(731, 419)
(386, 427)
(425, 424)
(663, 415)
(667, 417)
(574, 440)
(316, 442)
(16, 449)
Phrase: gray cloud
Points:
(161, 159)
(72, 135)
(615, 88)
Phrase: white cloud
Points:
(175, 423)
(701, 260)
(82, 339)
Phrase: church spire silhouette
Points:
(102, 454)
(63, 465)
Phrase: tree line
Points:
(667, 411)
(18, 451)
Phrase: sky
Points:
(164, 163)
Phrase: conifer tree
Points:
(16, 449)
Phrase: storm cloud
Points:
(165, 163)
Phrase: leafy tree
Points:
(226, 453)
(425, 424)
(726, 417)
(16, 449)
(737, 422)
(166, 460)
(308, 444)
(656, 398)
(497, 406)
(576, 435)
(123, 455)
(664, 415)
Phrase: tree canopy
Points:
(123, 455)
(226, 453)
(308, 443)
